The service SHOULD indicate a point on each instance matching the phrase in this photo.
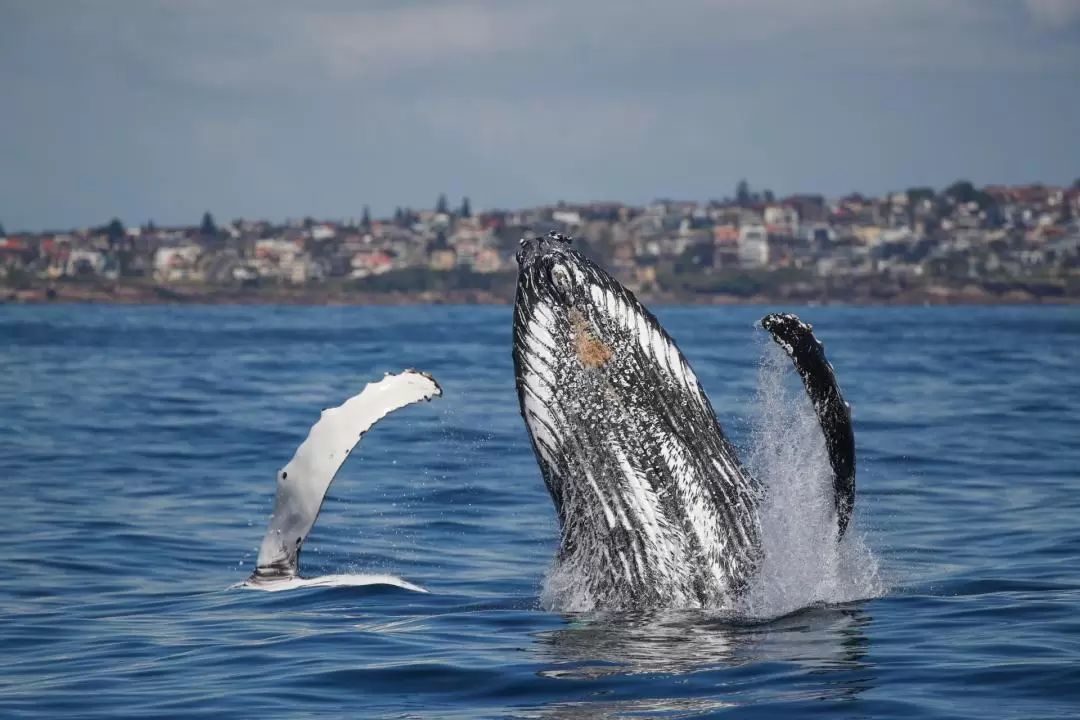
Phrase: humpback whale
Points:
(304, 481)
(654, 506)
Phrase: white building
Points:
(91, 261)
(176, 263)
(783, 217)
(753, 245)
(567, 217)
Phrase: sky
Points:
(142, 109)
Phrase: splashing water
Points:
(802, 564)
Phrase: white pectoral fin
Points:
(303, 482)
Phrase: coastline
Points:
(145, 294)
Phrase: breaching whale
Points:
(303, 483)
(654, 506)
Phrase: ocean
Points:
(139, 447)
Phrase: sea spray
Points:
(802, 564)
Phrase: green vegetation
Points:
(207, 228)
(115, 231)
(740, 283)
(422, 279)
(19, 279)
(917, 194)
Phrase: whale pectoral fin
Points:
(302, 484)
(833, 413)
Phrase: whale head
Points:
(570, 306)
(651, 499)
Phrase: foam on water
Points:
(802, 564)
(347, 580)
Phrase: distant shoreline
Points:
(124, 294)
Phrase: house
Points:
(303, 269)
(646, 275)
(173, 264)
(867, 234)
(370, 262)
(14, 251)
(726, 235)
(781, 219)
(225, 267)
(753, 246)
(570, 218)
(244, 275)
(624, 255)
(444, 259)
(276, 250)
(85, 262)
(487, 261)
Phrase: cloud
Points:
(1054, 13)
(548, 146)
(264, 106)
(274, 47)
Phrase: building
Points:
(753, 246)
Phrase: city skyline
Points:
(745, 195)
(161, 111)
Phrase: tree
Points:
(441, 205)
(768, 196)
(466, 209)
(208, 227)
(365, 219)
(961, 191)
(19, 278)
(1076, 184)
(439, 242)
(115, 231)
(2, 233)
(917, 194)
(742, 193)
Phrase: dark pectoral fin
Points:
(834, 415)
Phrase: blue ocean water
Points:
(138, 451)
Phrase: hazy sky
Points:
(162, 110)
